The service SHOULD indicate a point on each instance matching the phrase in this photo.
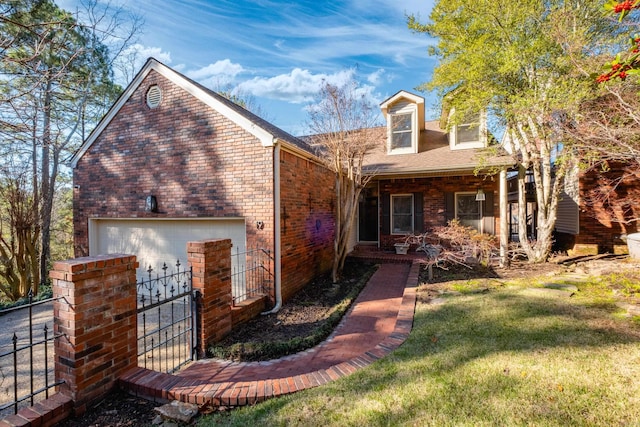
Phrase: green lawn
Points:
(507, 356)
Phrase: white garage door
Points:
(159, 241)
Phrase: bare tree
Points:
(607, 128)
(605, 134)
(342, 122)
(56, 78)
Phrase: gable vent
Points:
(154, 96)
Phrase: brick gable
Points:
(197, 163)
(201, 164)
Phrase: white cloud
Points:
(217, 75)
(144, 52)
(375, 78)
(298, 86)
(224, 67)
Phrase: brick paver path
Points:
(379, 321)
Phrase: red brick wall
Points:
(604, 220)
(97, 316)
(210, 261)
(197, 163)
(200, 164)
(434, 190)
(247, 310)
(307, 221)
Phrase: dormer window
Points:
(404, 112)
(401, 131)
(468, 133)
(469, 130)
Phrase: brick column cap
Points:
(93, 262)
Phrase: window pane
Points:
(468, 210)
(468, 133)
(400, 140)
(400, 122)
(402, 205)
(402, 214)
(401, 131)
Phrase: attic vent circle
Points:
(154, 96)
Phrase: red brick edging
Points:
(163, 387)
(46, 413)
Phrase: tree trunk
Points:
(47, 189)
(336, 238)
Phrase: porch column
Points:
(504, 224)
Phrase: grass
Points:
(506, 356)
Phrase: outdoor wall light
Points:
(151, 204)
(260, 225)
(480, 195)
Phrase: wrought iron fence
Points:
(250, 273)
(27, 354)
(166, 319)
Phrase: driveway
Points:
(30, 362)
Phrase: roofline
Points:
(300, 152)
(403, 173)
(266, 138)
(402, 94)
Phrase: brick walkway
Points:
(379, 321)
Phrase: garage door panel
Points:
(155, 242)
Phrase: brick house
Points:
(424, 176)
(173, 161)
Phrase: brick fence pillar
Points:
(98, 320)
(211, 264)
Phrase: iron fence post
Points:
(197, 328)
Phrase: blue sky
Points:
(279, 52)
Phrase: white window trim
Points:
(401, 233)
(482, 133)
(407, 109)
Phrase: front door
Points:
(368, 219)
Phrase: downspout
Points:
(276, 231)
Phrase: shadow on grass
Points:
(514, 321)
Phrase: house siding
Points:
(307, 194)
(434, 207)
(568, 216)
(194, 160)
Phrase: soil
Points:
(303, 314)
(308, 309)
(118, 409)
